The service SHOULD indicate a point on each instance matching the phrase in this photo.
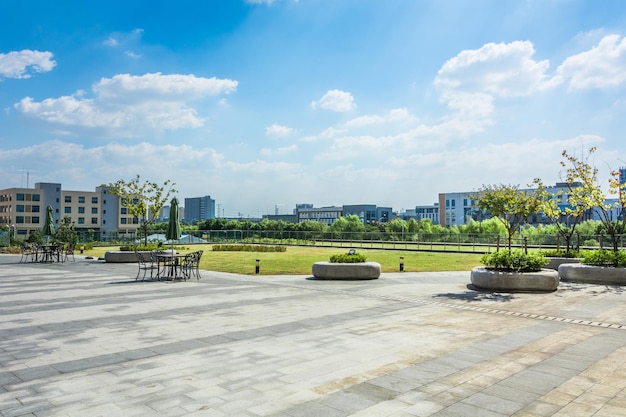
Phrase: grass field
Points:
(298, 260)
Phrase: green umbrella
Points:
(48, 227)
(173, 226)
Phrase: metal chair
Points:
(29, 253)
(145, 262)
(69, 251)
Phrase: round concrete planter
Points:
(546, 280)
(121, 256)
(344, 271)
(555, 262)
(592, 274)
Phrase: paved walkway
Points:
(85, 339)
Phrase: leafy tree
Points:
(66, 232)
(611, 214)
(508, 204)
(577, 202)
(143, 200)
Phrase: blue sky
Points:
(264, 104)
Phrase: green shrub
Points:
(248, 248)
(514, 261)
(562, 253)
(149, 247)
(603, 257)
(348, 258)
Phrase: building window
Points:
(135, 220)
(19, 208)
(35, 220)
(123, 210)
(67, 210)
(19, 197)
(123, 220)
(94, 220)
(81, 210)
(81, 220)
(35, 209)
(94, 200)
(36, 197)
(19, 219)
(94, 210)
(68, 198)
(81, 199)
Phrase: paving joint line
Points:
(446, 305)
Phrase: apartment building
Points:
(98, 212)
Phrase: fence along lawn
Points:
(298, 260)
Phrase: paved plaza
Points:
(85, 339)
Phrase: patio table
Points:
(169, 266)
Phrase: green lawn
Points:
(298, 260)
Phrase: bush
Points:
(348, 258)
(248, 248)
(514, 261)
(603, 257)
(562, 253)
(148, 247)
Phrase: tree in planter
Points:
(574, 211)
(143, 201)
(611, 215)
(508, 204)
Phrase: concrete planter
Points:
(546, 280)
(344, 271)
(121, 256)
(555, 262)
(592, 274)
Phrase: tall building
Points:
(199, 208)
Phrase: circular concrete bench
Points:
(546, 280)
(590, 274)
(122, 256)
(340, 271)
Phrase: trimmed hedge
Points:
(605, 257)
(249, 248)
(514, 261)
(348, 258)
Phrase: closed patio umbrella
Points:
(48, 226)
(173, 226)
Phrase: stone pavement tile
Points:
(393, 383)
(577, 409)
(496, 404)
(537, 409)
(463, 409)
(313, 409)
(610, 411)
(508, 393)
(383, 409)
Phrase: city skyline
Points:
(270, 103)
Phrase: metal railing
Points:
(473, 243)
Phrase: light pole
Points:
(14, 227)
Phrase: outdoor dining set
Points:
(47, 253)
(167, 265)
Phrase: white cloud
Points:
(394, 116)
(268, 2)
(335, 100)
(276, 131)
(602, 66)
(131, 106)
(279, 151)
(501, 70)
(16, 64)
